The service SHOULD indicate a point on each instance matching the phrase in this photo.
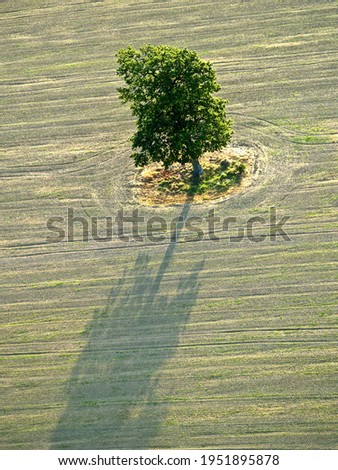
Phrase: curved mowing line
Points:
(278, 126)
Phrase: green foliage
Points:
(171, 94)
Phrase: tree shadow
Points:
(113, 392)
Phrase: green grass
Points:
(312, 139)
(127, 345)
(216, 179)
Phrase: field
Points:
(181, 344)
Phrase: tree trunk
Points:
(197, 169)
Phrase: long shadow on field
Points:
(114, 400)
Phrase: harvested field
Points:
(131, 344)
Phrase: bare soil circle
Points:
(225, 172)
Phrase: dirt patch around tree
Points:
(225, 172)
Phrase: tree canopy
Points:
(170, 92)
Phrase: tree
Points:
(171, 95)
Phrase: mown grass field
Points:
(212, 344)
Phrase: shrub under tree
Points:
(170, 92)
